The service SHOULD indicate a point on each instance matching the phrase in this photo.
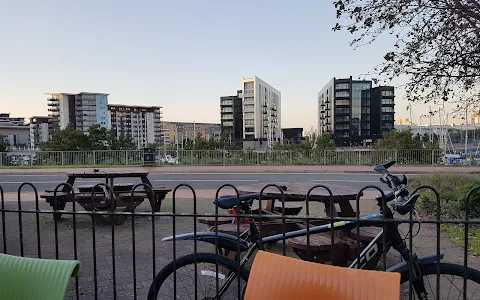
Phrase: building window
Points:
(342, 119)
(342, 126)
(227, 102)
(342, 110)
(228, 123)
(387, 101)
(387, 109)
(248, 100)
(387, 93)
(249, 122)
(227, 109)
(248, 85)
(342, 86)
(342, 102)
(249, 115)
(249, 108)
(342, 94)
(387, 126)
(387, 118)
(249, 129)
(365, 110)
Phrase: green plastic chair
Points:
(32, 278)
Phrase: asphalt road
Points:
(10, 183)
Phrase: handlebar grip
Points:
(388, 197)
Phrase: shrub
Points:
(453, 189)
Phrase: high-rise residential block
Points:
(39, 130)
(353, 112)
(231, 117)
(261, 113)
(142, 123)
(80, 110)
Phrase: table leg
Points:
(71, 181)
(270, 205)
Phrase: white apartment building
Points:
(261, 113)
(15, 128)
(39, 130)
(81, 110)
(142, 123)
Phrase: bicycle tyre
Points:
(445, 269)
(191, 259)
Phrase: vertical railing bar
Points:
(4, 230)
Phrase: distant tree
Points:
(324, 142)
(123, 142)
(67, 139)
(399, 139)
(437, 44)
(100, 138)
(3, 145)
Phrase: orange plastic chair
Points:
(275, 277)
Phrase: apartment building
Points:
(354, 112)
(261, 113)
(81, 110)
(231, 117)
(176, 132)
(39, 130)
(142, 123)
(15, 129)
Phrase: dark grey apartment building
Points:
(353, 112)
(231, 116)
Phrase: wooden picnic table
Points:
(297, 192)
(319, 248)
(102, 200)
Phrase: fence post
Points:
(93, 157)
(324, 157)
(191, 157)
(359, 157)
(258, 159)
(62, 157)
(1, 159)
(291, 157)
(126, 157)
(433, 157)
(396, 155)
(223, 153)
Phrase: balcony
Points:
(53, 103)
(54, 109)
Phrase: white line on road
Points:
(342, 180)
(209, 180)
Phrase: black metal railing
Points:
(121, 261)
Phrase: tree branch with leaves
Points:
(437, 44)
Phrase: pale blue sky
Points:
(182, 55)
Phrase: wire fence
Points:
(234, 157)
(117, 237)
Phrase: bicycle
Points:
(413, 269)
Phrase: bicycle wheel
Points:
(206, 287)
(451, 282)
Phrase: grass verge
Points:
(457, 235)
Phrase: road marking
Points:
(342, 180)
(207, 180)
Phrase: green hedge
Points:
(453, 189)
